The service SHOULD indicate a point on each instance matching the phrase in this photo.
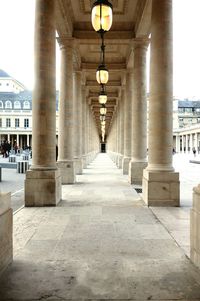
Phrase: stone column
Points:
(87, 132)
(65, 129)
(84, 125)
(196, 142)
(43, 181)
(139, 113)
(78, 123)
(117, 133)
(190, 143)
(186, 144)
(127, 122)
(121, 149)
(183, 143)
(160, 182)
(28, 141)
(21, 141)
(177, 143)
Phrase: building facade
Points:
(16, 112)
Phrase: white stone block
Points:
(5, 202)
(6, 230)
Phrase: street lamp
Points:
(103, 97)
(102, 117)
(102, 75)
(102, 15)
(103, 110)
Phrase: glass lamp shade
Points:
(103, 111)
(102, 15)
(102, 98)
(102, 75)
(102, 117)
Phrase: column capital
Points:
(66, 42)
(140, 43)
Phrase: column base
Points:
(120, 158)
(67, 171)
(78, 163)
(125, 165)
(194, 228)
(136, 172)
(42, 188)
(161, 188)
(6, 226)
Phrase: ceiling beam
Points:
(111, 83)
(88, 36)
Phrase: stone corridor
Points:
(101, 242)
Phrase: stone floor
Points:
(101, 243)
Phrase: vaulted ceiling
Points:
(131, 19)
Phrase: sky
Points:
(16, 44)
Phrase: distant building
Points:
(15, 111)
(10, 84)
(185, 113)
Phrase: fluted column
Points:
(43, 181)
(139, 113)
(78, 123)
(65, 129)
(128, 122)
(160, 182)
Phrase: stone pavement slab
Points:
(100, 243)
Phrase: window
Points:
(7, 84)
(0, 122)
(181, 110)
(16, 122)
(188, 110)
(1, 104)
(8, 104)
(17, 105)
(26, 105)
(26, 122)
(8, 122)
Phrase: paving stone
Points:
(100, 243)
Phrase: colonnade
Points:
(127, 139)
(22, 140)
(185, 143)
